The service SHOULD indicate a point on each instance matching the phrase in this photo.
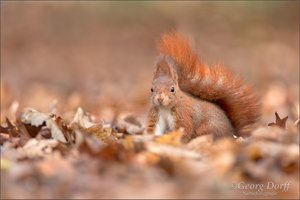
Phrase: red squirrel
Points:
(199, 98)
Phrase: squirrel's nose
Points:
(159, 99)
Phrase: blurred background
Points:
(100, 55)
(60, 55)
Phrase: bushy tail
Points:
(212, 83)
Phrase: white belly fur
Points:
(165, 122)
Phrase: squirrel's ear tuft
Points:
(165, 67)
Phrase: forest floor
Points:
(75, 84)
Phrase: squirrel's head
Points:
(164, 90)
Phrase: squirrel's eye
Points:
(172, 89)
(151, 89)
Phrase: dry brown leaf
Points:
(279, 122)
(263, 160)
(66, 130)
(223, 155)
(254, 152)
(10, 129)
(173, 138)
(147, 158)
(34, 120)
(4, 138)
(273, 133)
(289, 159)
(132, 144)
(37, 148)
(88, 143)
(103, 132)
(24, 134)
(127, 123)
(45, 132)
(33, 117)
(202, 144)
(171, 151)
(83, 119)
(56, 133)
(116, 152)
(55, 166)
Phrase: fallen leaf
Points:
(173, 138)
(34, 118)
(167, 150)
(10, 129)
(202, 144)
(37, 148)
(87, 143)
(56, 133)
(116, 152)
(273, 133)
(289, 159)
(103, 132)
(279, 122)
(4, 138)
(45, 132)
(130, 142)
(82, 118)
(127, 123)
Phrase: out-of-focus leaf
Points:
(4, 138)
(254, 152)
(103, 132)
(223, 155)
(279, 122)
(167, 150)
(82, 119)
(173, 138)
(33, 130)
(24, 133)
(132, 143)
(88, 144)
(37, 148)
(34, 118)
(127, 123)
(56, 133)
(116, 152)
(33, 121)
(10, 129)
(289, 159)
(55, 166)
(66, 130)
(273, 133)
(202, 144)
(45, 132)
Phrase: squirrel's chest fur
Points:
(166, 121)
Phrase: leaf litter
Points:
(89, 159)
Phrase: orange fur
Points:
(212, 83)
